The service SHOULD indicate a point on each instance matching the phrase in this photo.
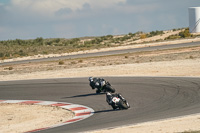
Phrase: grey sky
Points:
(29, 19)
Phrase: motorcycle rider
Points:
(96, 83)
(110, 96)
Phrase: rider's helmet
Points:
(90, 79)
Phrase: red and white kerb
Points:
(81, 112)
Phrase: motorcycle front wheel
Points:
(123, 105)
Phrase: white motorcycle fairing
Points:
(116, 99)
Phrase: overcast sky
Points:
(29, 19)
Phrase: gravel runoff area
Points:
(19, 118)
(182, 63)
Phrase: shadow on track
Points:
(84, 95)
(103, 111)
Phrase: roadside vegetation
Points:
(183, 34)
(39, 46)
(191, 132)
(185, 53)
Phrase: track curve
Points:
(150, 98)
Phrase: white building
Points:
(194, 19)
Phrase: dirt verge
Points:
(19, 118)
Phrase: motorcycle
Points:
(104, 86)
(117, 101)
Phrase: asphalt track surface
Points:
(150, 98)
(112, 52)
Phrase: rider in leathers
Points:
(109, 97)
(96, 83)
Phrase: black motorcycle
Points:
(101, 85)
(117, 101)
(105, 86)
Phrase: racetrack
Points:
(150, 98)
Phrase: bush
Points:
(80, 61)
(109, 36)
(73, 62)
(142, 36)
(22, 53)
(126, 37)
(173, 37)
(39, 40)
(9, 68)
(185, 33)
(61, 63)
(45, 52)
(154, 33)
(191, 57)
(57, 40)
(1, 55)
(130, 34)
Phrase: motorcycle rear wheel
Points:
(109, 89)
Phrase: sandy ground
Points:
(184, 62)
(188, 67)
(19, 118)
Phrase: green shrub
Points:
(155, 33)
(45, 52)
(173, 37)
(1, 55)
(185, 33)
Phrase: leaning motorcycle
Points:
(119, 103)
(105, 86)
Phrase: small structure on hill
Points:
(194, 19)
